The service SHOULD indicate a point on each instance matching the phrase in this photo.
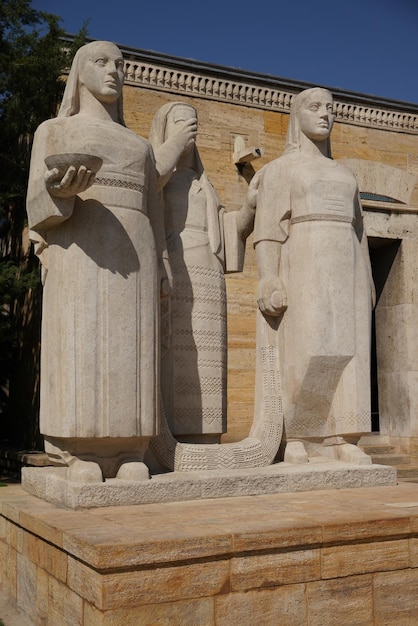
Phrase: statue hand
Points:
(186, 134)
(72, 183)
(165, 289)
(271, 296)
(252, 192)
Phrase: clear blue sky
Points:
(366, 46)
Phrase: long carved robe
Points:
(100, 324)
(195, 366)
(310, 208)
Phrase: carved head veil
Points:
(70, 104)
(293, 142)
(158, 131)
(213, 204)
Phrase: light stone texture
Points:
(166, 614)
(414, 552)
(41, 596)
(10, 574)
(46, 557)
(396, 598)
(316, 290)
(64, 606)
(381, 179)
(50, 483)
(124, 569)
(109, 544)
(359, 526)
(129, 589)
(380, 142)
(255, 572)
(11, 615)
(364, 558)
(280, 605)
(397, 388)
(14, 537)
(203, 241)
(26, 584)
(103, 237)
(342, 602)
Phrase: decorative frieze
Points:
(191, 83)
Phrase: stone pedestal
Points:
(50, 483)
(325, 557)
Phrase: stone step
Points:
(391, 459)
(408, 472)
(379, 449)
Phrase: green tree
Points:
(34, 53)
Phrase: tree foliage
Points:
(34, 52)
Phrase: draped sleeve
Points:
(273, 211)
(45, 211)
(154, 203)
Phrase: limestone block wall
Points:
(347, 557)
(378, 139)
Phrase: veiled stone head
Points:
(311, 115)
(101, 70)
(177, 115)
(98, 69)
(168, 119)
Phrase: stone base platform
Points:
(345, 557)
(49, 483)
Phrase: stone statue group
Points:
(134, 244)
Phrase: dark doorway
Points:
(382, 255)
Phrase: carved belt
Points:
(124, 184)
(324, 217)
(116, 192)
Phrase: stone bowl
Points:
(63, 161)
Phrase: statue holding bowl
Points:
(92, 200)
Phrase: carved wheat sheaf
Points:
(257, 450)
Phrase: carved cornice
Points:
(154, 70)
(235, 91)
(376, 118)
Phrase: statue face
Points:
(316, 116)
(102, 73)
(176, 118)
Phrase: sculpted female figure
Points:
(100, 328)
(199, 234)
(316, 291)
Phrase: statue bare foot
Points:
(350, 453)
(295, 453)
(134, 471)
(84, 472)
